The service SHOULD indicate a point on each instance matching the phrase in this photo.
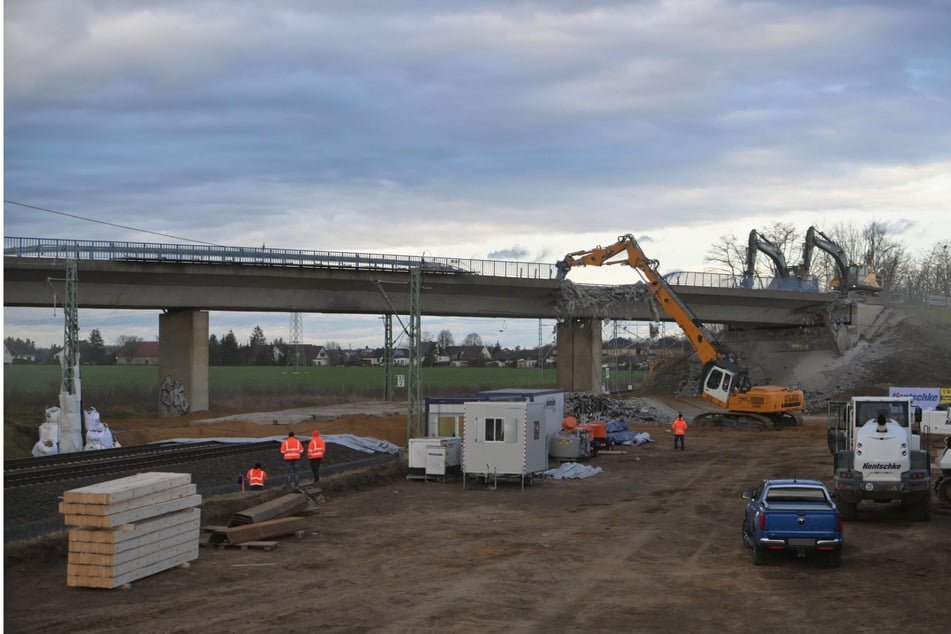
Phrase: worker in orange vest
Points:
(315, 453)
(255, 477)
(680, 430)
(292, 450)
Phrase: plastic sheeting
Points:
(572, 470)
(357, 443)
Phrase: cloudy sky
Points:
(492, 129)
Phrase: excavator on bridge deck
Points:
(849, 277)
(723, 381)
(788, 278)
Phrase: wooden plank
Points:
(126, 567)
(260, 530)
(126, 488)
(168, 545)
(126, 532)
(80, 580)
(192, 526)
(77, 508)
(278, 507)
(133, 515)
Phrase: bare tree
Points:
(727, 256)
(472, 339)
(445, 340)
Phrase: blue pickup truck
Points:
(792, 515)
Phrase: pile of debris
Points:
(591, 406)
(255, 527)
(572, 300)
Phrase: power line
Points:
(111, 224)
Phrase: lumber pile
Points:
(130, 528)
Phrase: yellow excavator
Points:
(724, 382)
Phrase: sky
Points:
(493, 129)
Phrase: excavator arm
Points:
(704, 343)
(723, 381)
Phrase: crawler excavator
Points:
(789, 278)
(723, 381)
(849, 277)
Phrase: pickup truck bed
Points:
(793, 515)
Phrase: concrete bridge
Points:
(187, 281)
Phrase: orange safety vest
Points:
(316, 448)
(680, 427)
(292, 449)
(256, 477)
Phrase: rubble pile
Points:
(572, 300)
(588, 405)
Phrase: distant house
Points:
(18, 351)
(138, 353)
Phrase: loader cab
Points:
(837, 435)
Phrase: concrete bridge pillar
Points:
(579, 355)
(183, 362)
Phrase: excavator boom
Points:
(724, 382)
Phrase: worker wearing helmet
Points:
(680, 430)
(315, 453)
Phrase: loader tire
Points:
(943, 490)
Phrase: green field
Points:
(133, 390)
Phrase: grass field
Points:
(133, 390)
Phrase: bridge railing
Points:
(725, 280)
(62, 249)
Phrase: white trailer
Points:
(503, 439)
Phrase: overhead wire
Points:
(110, 224)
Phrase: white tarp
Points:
(572, 470)
(357, 443)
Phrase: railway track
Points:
(81, 464)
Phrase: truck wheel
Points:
(759, 555)
(747, 536)
(834, 558)
(943, 489)
(848, 510)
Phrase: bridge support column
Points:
(183, 362)
(579, 355)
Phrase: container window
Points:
(494, 430)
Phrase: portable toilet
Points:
(504, 439)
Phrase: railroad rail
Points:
(30, 471)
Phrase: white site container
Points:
(553, 402)
(504, 439)
(434, 457)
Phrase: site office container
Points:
(504, 439)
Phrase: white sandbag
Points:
(641, 438)
(52, 414)
(45, 448)
(70, 425)
(49, 431)
(91, 417)
(108, 442)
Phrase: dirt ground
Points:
(651, 544)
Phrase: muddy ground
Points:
(651, 544)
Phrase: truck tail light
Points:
(762, 521)
(917, 476)
(838, 523)
(845, 474)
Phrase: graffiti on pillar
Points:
(174, 400)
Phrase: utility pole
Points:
(414, 396)
(388, 357)
(294, 345)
